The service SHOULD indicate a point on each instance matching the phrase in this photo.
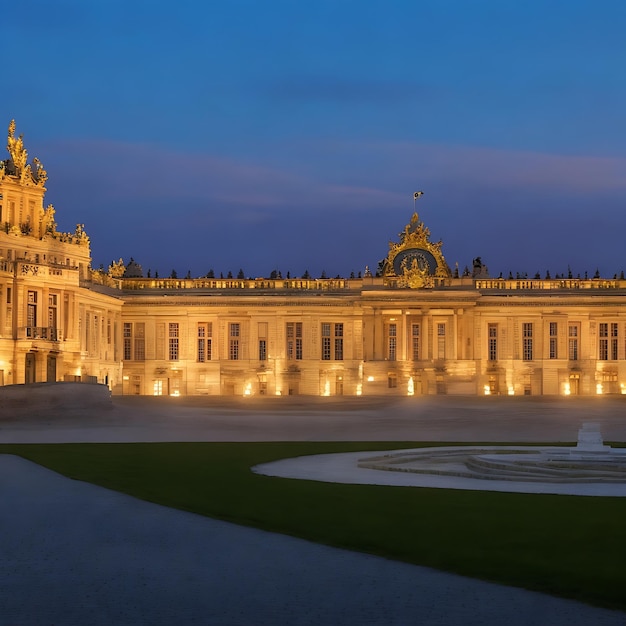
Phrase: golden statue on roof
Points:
(18, 164)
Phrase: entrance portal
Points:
(51, 369)
(29, 373)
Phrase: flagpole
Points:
(416, 195)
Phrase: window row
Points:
(134, 341)
(608, 341)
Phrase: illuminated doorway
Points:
(339, 385)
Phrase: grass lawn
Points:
(564, 545)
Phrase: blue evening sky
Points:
(291, 134)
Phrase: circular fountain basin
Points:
(519, 469)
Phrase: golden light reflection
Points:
(326, 388)
(487, 390)
(410, 389)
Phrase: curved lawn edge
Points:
(568, 546)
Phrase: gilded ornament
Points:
(415, 261)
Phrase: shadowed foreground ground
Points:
(73, 553)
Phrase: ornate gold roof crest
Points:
(415, 261)
(17, 165)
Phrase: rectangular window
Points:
(294, 341)
(573, 332)
(603, 342)
(527, 341)
(233, 343)
(31, 312)
(614, 341)
(325, 342)
(553, 347)
(52, 314)
(441, 341)
(338, 342)
(262, 331)
(392, 339)
(205, 331)
(492, 334)
(128, 334)
(173, 341)
(134, 341)
(332, 342)
(415, 341)
(140, 341)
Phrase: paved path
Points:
(75, 554)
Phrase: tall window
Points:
(173, 341)
(52, 310)
(332, 342)
(294, 341)
(607, 345)
(392, 341)
(262, 332)
(205, 341)
(338, 342)
(441, 341)
(614, 341)
(128, 341)
(415, 341)
(134, 341)
(233, 342)
(492, 335)
(527, 341)
(140, 341)
(573, 332)
(553, 348)
(31, 312)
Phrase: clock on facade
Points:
(424, 259)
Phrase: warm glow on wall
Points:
(410, 389)
(487, 390)
(511, 390)
(370, 379)
(326, 388)
(359, 389)
(566, 389)
(247, 390)
(599, 389)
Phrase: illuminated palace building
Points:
(415, 328)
